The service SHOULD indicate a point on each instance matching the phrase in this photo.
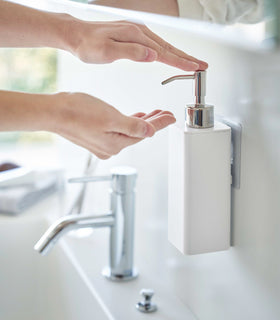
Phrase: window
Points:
(28, 70)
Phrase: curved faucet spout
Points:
(68, 223)
(120, 219)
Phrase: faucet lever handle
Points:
(87, 179)
(123, 179)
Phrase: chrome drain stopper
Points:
(146, 305)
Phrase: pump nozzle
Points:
(199, 115)
(199, 84)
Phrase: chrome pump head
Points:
(198, 115)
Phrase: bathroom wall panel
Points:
(244, 282)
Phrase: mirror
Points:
(247, 21)
(217, 11)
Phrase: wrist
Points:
(63, 31)
(70, 33)
(42, 112)
(62, 113)
(54, 112)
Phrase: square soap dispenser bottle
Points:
(199, 178)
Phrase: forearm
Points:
(27, 112)
(27, 27)
(80, 118)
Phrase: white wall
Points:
(242, 283)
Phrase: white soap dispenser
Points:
(199, 177)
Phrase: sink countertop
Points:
(120, 298)
(90, 255)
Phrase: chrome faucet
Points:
(120, 219)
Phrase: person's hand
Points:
(105, 42)
(100, 128)
(92, 42)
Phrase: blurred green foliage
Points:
(28, 70)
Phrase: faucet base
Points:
(107, 273)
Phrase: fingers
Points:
(138, 114)
(156, 113)
(158, 118)
(132, 51)
(161, 121)
(167, 46)
(145, 116)
(111, 143)
(174, 60)
(166, 53)
(133, 127)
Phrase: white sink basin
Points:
(33, 287)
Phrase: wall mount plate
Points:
(236, 133)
